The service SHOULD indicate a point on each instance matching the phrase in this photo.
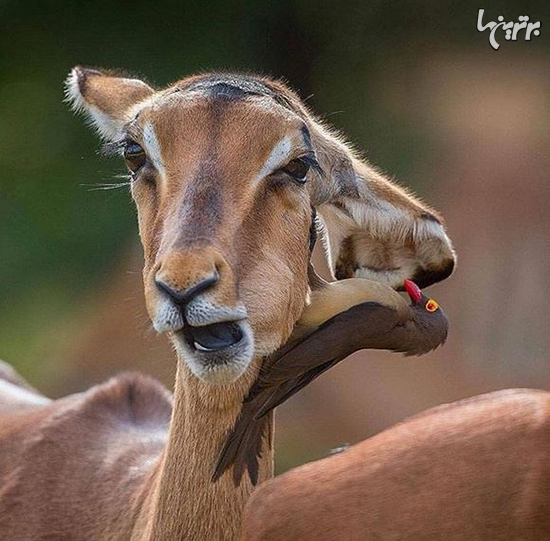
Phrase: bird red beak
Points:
(413, 291)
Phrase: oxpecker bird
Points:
(343, 317)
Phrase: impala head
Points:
(225, 172)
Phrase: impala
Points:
(228, 173)
(476, 470)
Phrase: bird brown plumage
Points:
(342, 318)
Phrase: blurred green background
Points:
(414, 84)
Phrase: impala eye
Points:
(134, 156)
(431, 306)
(297, 169)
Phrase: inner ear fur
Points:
(105, 97)
(374, 229)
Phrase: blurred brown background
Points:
(412, 83)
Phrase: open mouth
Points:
(217, 353)
(214, 337)
(215, 341)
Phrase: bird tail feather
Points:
(243, 447)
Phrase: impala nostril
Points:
(184, 296)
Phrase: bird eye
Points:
(431, 306)
(134, 156)
(297, 169)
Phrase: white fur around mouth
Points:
(221, 364)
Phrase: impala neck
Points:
(186, 503)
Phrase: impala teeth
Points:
(200, 347)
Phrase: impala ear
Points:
(105, 98)
(373, 228)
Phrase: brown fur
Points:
(476, 469)
(123, 424)
(101, 465)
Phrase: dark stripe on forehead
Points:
(235, 87)
(201, 209)
(216, 83)
(226, 91)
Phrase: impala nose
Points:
(181, 297)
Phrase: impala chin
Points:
(218, 353)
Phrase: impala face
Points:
(225, 171)
(224, 219)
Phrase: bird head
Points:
(428, 318)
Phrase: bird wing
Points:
(286, 390)
(362, 326)
(292, 368)
(243, 446)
